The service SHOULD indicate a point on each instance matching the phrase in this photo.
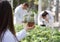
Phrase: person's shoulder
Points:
(18, 7)
(8, 32)
(8, 36)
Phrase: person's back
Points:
(9, 37)
(20, 12)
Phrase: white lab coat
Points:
(19, 14)
(51, 19)
(9, 37)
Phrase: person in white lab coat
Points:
(20, 12)
(45, 18)
(7, 31)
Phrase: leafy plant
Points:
(40, 34)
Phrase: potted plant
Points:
(31, 20)
(25, 19)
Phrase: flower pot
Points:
(31, 21)
(30, 24)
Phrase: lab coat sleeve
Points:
(22, 34)
(51, 20)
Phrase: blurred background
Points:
(40, 5)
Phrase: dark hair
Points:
(44, 14)
(6, 18)
(26, 4)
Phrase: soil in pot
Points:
(30, 24)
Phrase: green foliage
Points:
(18, 27)
(44, 4)
(34, 11)
(40, 34)
(15, 3)
(22, 1)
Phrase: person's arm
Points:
(22, 34)
(50, 20)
